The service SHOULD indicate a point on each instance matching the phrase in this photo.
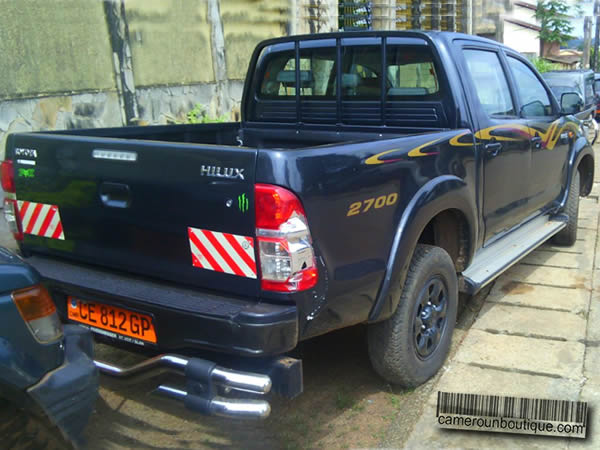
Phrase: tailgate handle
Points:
(115, 195)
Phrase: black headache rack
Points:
(398, 111)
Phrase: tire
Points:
(399, 350)
(568, 235)
(20, 429)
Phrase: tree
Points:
(597, 68)
(543, 65)
(554, 21)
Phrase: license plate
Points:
(117, 321)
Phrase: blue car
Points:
(48, 380)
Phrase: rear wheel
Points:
(21, 429)
(568, 235)
(411, 346)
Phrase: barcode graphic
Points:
(512, 407)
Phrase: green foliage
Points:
(344, 400)
(543, 65)
(395, 400)
(199, 114)
(554, 21)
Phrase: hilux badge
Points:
(222, 172)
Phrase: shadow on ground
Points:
(345, 404)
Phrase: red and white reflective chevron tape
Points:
(223, 252)
(41, 219)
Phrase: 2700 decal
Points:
(376, 203)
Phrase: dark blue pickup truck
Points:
(373, 177)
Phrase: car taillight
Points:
(11, 215)
(38, 311)
(11, 210)
(287, 259)
(7, 173)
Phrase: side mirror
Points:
(533, 109)
(571, 103)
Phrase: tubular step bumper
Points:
(219, 406)
(203, 378)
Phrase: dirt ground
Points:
(344, 404)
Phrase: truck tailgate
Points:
(181, 212)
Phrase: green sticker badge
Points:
(27, 173)
(243, 203)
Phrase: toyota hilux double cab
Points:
(373, 177)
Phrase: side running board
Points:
(491, 261)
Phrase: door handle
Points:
(493, 148)
(536, 142)
(115, 195)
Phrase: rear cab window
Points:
(411, 73)
(361, 69)
(317, 77)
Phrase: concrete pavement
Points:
(537, 336)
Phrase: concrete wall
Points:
(247, 22)
(82, 64)
(170, 42)
(53, 47)
(72, 63)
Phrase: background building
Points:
(73, 64)
(521, 29)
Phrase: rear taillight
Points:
(38, 311)
(11, 215)
(7, 172)
(287, 259)
(11, 210)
